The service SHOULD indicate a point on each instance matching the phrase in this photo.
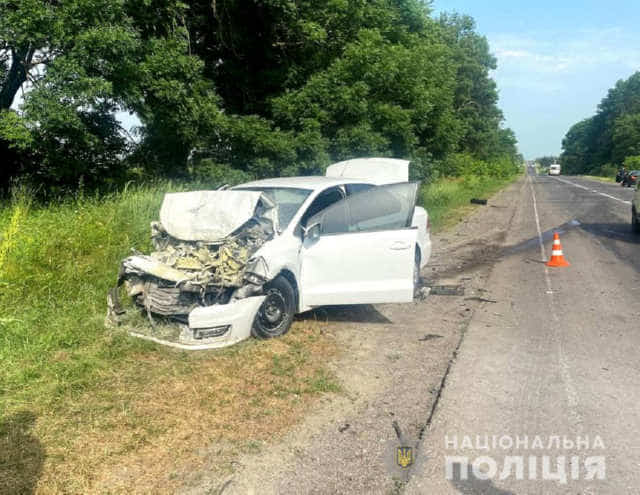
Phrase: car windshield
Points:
(288, 201)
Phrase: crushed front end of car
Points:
(201, 287)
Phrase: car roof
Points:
(306, 182)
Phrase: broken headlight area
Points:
(199, 270)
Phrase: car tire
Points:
(635, 223)
(416, 273)
(275, 315)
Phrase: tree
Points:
(244, 88)
(611, 135)
(545, 161)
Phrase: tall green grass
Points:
(447, 198)
(56, 264)
(77, 398)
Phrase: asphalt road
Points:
(549, 373)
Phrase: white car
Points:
(554, 169)
(291, 244)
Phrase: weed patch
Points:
(447, 200)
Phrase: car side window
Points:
(356, 188)
(323, 201)
(387, 207)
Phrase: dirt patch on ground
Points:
(391, 370)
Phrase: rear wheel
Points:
(276, 313)
(635, 224)
(416, 273)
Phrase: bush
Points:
(215, 174)
(632, 162)
(465, 165)
(606, 170)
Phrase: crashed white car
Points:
(242, 261)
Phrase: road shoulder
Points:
(391, 369)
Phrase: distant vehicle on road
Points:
(635, 212)
(554, 169)
(631, 179)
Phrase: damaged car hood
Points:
(209, 216)
(202, 258)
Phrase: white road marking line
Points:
(543, 255)
(571, 393)
(593, 191)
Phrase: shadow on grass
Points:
(21, 454)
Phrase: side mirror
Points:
(312, 232)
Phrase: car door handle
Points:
(400, 245)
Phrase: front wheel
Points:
(276, 312)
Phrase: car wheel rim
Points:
(273, 310)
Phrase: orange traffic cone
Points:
(557, 258)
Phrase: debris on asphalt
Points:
(396, 427)
(344, 427)
(476, 201)
(422, 293)
(447, 290)
(480, 299)
(430, 336)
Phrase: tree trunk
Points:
(16, 76)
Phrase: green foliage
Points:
(546, 161)
(446, 198)
(263, 88)
(632, 162)
(610, 136)
(56, 262)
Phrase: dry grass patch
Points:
(160, 416)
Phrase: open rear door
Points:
(361, 250)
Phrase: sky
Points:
(556, 60)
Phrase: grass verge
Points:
(447, 200)
(609, 180)
(84, 409)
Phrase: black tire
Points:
(635, 224)
(276, 312)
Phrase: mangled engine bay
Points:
(201, 280)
